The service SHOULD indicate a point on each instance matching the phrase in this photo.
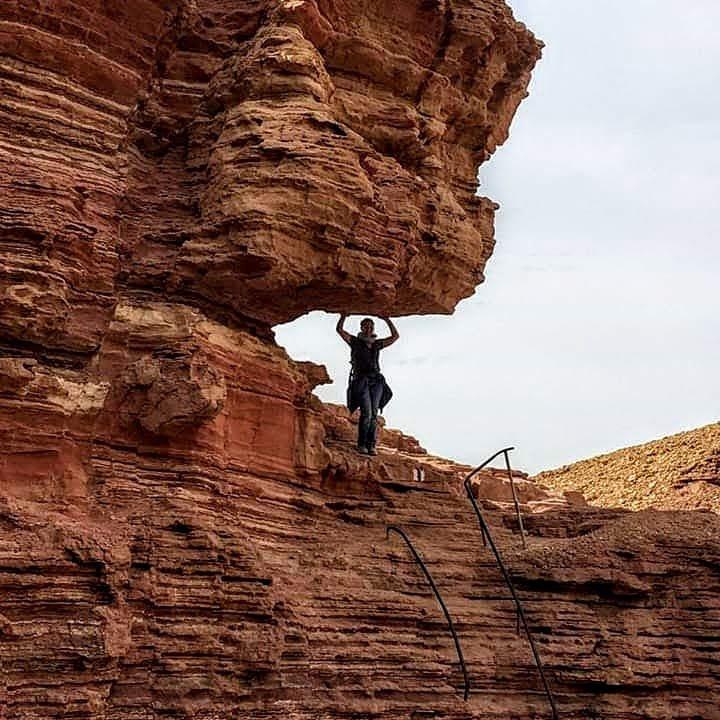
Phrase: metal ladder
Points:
(487, 540)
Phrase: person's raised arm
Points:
(394, 334)
(344, 334)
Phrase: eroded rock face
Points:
(207, 592)
(260, 159)
(184, 532)
(71, 75)
(355, 133)
(167, 397)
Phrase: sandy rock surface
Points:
(680, 472)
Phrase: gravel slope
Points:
(679, 472)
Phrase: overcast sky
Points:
(597, 326)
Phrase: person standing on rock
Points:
(367, 388)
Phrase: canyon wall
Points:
(184, 530)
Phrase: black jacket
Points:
(365, 361)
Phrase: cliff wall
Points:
(184, 532)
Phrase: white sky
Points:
(597, 326)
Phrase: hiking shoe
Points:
(372, 451)
(363, 450)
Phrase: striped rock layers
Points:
(183, 532)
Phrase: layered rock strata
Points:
(187, 589)
(257, 159)
(183, 531)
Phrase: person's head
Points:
(367, 326)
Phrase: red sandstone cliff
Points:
(183, 532)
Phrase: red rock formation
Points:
(257, 159)
(183, 531)
(354, 131)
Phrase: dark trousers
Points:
(370, 391)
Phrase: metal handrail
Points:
(438, 597)
(520, 611)
(505, 452)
